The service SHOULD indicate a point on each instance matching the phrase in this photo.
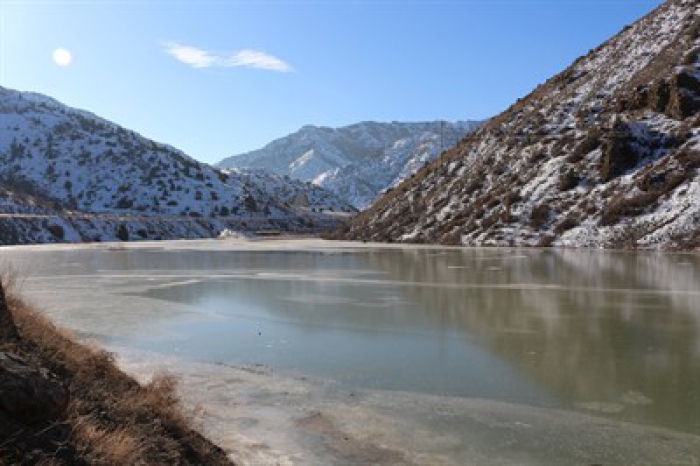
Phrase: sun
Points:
(62, 57)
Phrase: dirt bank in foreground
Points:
(65, 403)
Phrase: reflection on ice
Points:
(268, 417)
(635, 398)
(318, 299)
(611, 333)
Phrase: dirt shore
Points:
(62, 402)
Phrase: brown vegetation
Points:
(108, 418)
(627, 207)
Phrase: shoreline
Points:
(265, 416)
(67, 402)
(313, 241)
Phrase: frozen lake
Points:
(615, 335)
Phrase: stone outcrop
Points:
(677, 96)
(618, 152)
(29, 393)
(684, 100)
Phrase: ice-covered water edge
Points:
(266, 417)
(263, 416)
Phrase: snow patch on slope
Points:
(356, 162)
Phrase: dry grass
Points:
(111, 419)
(118, 446)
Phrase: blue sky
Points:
(218, 77)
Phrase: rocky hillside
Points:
(75, 161)
(605, 154)
(32, 219)
(356, 162)
(14, 200)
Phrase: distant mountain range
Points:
(605, 154)
(71, 161)
(356, 162)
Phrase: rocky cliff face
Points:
(605, 154)
(356, 162)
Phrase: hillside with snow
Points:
(605, 154)
(356, 162)
(77, 162)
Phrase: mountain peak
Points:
(358, 161)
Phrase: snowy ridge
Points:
(605, 154)
(83, 163)
(356, 162)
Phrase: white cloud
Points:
(198, 58)
(192, 56)
(257, 59)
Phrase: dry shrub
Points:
(654, 185)
(587, 206)
(98, 445)
(111, 418)
(539, 216)
(161, 395)
(57, 231)
(453, 237)
(619, 155)
(11, 282)
(663, 183)
(627, 206)
(491, 220)
(568, 223)
(546, 241)
(591, 142)
(568, 179)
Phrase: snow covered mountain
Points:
(83, 163)
(357, 162)
(605, 154)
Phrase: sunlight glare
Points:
(62, 57)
